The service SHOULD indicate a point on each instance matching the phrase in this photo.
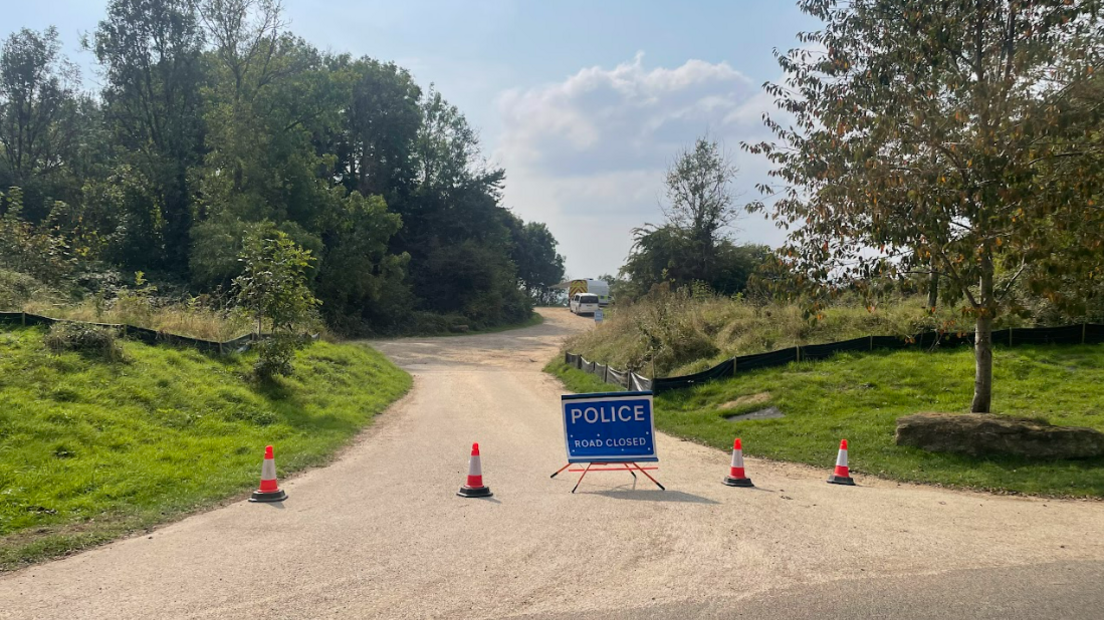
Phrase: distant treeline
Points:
(215, 125)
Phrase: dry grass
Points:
(190, 320)
(685, 333)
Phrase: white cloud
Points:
(587, 155)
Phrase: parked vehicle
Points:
(584, 303)
(595, 287)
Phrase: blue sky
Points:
(584, 103)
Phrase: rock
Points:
(980, 434)
(769, 413)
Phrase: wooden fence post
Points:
(1082, 333)
(871, 342)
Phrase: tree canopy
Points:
(216, 126)
(958, 136)
(694, 244)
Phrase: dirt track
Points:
(381, 532)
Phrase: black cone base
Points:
(847, 480)
(738, 482)
(274, 496)
(474, 492)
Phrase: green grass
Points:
(860, 396)
(91, 450)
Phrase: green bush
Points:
(276, 354)
(90, 340)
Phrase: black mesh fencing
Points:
(1085, 333)
(240, 344)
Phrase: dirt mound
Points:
(750, 399)
(978, 434)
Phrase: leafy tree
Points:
(382, 123)
(949, 133)
(539, 266)
(273, 290)
(699, 203)
(360, 282)
(150, 51)
(40, 113)
(667, 253)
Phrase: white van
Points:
(584, 303)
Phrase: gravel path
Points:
(381, 533)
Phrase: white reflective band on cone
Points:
(268, 469)
(841, 460)
(474, 468)
(737, 458)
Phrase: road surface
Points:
(382, 534)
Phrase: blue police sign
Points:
(598, 315)
(616, 427)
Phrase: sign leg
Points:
(581, 477)
(631, 472)
(560, 470)
(661, 487)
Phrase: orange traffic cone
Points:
(736, 477)
(842, 475)
(474, 487)
(270, 491)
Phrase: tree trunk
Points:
(983, 340)
(933, 286)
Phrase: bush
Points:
(90, 340)
(16, 289)
(276, 355)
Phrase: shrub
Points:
(90, 340)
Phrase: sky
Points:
(585, 104)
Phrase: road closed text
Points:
(613, 442)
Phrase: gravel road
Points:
(381, 532)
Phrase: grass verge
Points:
(860, 397)
(91, 450)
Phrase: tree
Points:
(39, 110)
(381, 126)
(667, 254)
(150, 51)
(699, 202)
(538, 265)
(935, 131)
(273, 290)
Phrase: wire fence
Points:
(1085, 333)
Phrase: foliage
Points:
(687, 330)
(860, 396)
(216, 125)
(91, 340)
(693, 245)
(699, 202)
(954, 137)
(539, 266)
(665, 255)
(272, 289)
(40, 115)
(35, 250)
(150, 52)
(17, 289)
(92, 451)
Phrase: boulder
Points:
(981, 434)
